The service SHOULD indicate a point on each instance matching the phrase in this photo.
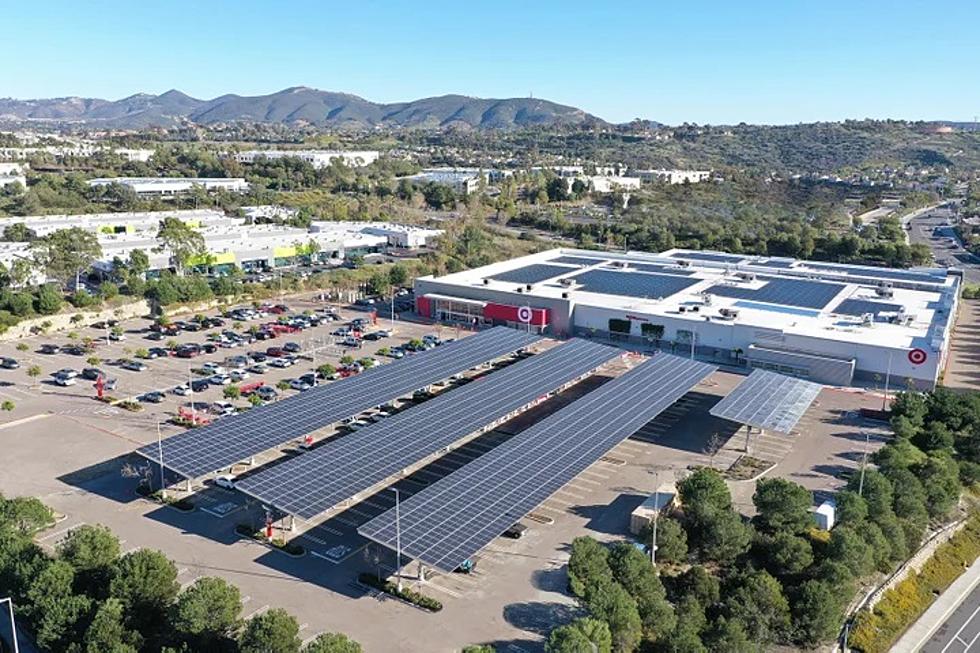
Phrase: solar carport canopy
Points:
(237, 437)
(322, 478)
(457, 516)
(768, 400)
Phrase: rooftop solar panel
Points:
(862, 306)
(324, 477)
(578, 260)
(632, 284)
(883, 273)
(663, 269)
(786, 292)
(237, 437)
(458, 515)
(533, 273)
(767, 400)
(710, 256)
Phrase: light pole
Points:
(13, 624)
(656, 518)
(864, 462)
(398, 539)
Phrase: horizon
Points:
(724, 65)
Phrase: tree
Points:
(254, 400)
(728, 636)
(636, 574)
(696, 582)
(756, 600)
(34, 371)
(851, 508)
(145, 582)
(183, 242)
(379, 283)
(691, 621)
(139, 262)
(704, 492)
(671, 540)
(232, 392)
(587, 565)
(610, 602)
(66, 253)
(398, 275)
(206, 614)
(940, 480)
(275, 631)
(817, 612)
(849, 548)
(876, 491)
(584, 635)
(54, 610)
(92, 551)
(49, 300)
(786, 554)
(724, 537)
(7, 405)
(326, 370)
(26, 514)
(782, 505)
(333, 643)
(108, 634)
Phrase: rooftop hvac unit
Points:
(682, 309)
(728, 313)
(567, 282)
(884, 284)
(868, 319)
(528, 286)
(683, 263)
(520, 289)
(620, 264)
(884, 291)
(746, 276)
(486, 282)
(564, 295)
(695, 309)
(707, 299)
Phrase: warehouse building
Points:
(317, 158)
(122, 222)
(830, 323)
(173, 186)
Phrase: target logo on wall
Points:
(524, 314)
(917, 356)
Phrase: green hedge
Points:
(413, 597)
(875, 631)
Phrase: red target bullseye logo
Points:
(524, 313)
(918, 356)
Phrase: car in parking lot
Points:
(267, 393)
(395, 352)
(309, 378)
(208, 348)
(9, 363)
(275, 352)
(212, 368)
(50, 349)
(281, 363)
(66, 371)
(237, 362)
(342, 331)
(188, 351)
(238, 375)
(62, 380)
(291, 347)
(199, 385)
(258, 356)
(73, 350)
(156, 336)
(219, 379)
(299, 384)
(258, 368)
(158, 352)
(132, 365)
(152, 397)
(182, 390)
(226, 481)
(222, 408)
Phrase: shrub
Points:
(413, 597)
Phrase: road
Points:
(934, 229)
(961, 632)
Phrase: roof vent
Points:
(868, 319)
(564, 295)
(683, 263)
(567, 282)
(728, 313)
(486, 282)
(528, 286)
(682, 309)
(884, 291)
(746, 276)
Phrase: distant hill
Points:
(297, 106)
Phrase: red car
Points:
(275, 352)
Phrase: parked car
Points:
(66, 371)
(50, 349)
(212, 368)
(275, 352)
(9, 363)
(226, 481)
(133, 366)
(238, 375)
(237, 362)
(291, 347)
(219, 379)
(281, 363)
(208, 348)
(64, 380)
(92, 373)
(351, 341)
(152, 397)
(182, 390)
(199, 385)
(396, 352)
(222, 408)
(258, 356)
(158, 352)
(156, 336)
(259, 368)
(299, 384)
(516, 531)
(267, 393)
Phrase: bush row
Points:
(875, 631)
(413, 597)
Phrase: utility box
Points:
(826, 515)
(655, 504)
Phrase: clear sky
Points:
(709, 61)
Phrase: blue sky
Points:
(705, 62)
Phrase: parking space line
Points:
(257, 612)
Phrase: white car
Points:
(64, 381)
(299, 384)
(239, 375)
(259, 368)
(226, 481)
(280, 362)
(183, 390)
(219, 379)
(213, 368)
(222, 408)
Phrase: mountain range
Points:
(295, 106)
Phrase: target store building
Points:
(835, 324)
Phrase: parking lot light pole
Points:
(656, 518)
(398, 539)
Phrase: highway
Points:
(935, 230)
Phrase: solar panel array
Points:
(533, 273)
(663, 269)
(862, 306)
(874, 273)
(324, 477)
(709, 256)
(768, 400)
(452, 519)
(632, 284)
(237, 437)
(786, 292)
(578, 260)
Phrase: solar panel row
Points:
(237, 437)
(768, 400)
(633, 284)
(663, 269)
(324, 477)
(875, 273)
(578, 260)
(457, 516)
(785, 292)
(534, 273)
(710, 256)
(862, 306)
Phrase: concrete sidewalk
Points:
(937, 614)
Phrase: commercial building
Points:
(607, 183)
(462, 182)
(172, 186)
(674, 176)
(140, 155)
(114, 223)
(835, 324)
(13, 173)
(316, 158)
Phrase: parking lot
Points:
(76, 454)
